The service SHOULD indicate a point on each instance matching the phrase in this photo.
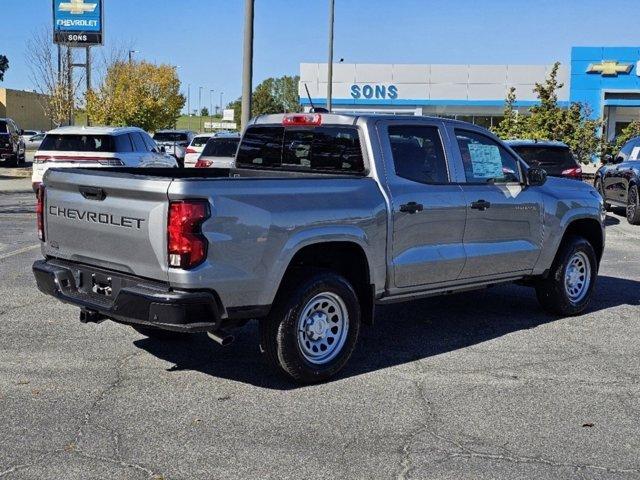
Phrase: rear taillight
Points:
(203, 163)
(41, 159)
(40, 193)
(575, 172)
(191, 150)
(187, 247)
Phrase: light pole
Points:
(221, 93)
(211, 109)
(332, 4)
(200, 109)
(247, 63)
(189, 104)
(131, 52)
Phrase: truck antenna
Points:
(314, 109)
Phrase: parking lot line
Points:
(18, 252)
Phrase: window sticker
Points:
(485, 160)
(635, 153)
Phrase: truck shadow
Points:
(402, 333)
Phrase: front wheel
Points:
(313, 327)
(633, 207)
(568, 288)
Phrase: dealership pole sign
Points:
(78, 22)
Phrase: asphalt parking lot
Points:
(478, 385)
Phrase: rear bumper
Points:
(126, 298)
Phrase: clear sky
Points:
(204, 37)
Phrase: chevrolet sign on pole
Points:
(78, 22)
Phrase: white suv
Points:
(75, 147)
(195, 149)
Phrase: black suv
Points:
(555, 157)
(12, 148)
(618, 180)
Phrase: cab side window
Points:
(150, 143)
(418, 154)
(138, 142)
(485, 160)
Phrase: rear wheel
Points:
(633, 207)
(313, 327)
(600, 187)
(568, 288)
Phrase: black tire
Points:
(159, 334)
(12, 162)
(551, 291)
(598, 186)
(633, 205)
(279, 332)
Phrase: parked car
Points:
(73, 147)
(555, 157)
(195, 149)
(220, 152)
(33, 142)
(324, 217)
(175, 142)
(12, 149)
(618, 180)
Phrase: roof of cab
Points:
(343, 118)
(523, 142)
(93, 130)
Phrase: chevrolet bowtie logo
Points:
(609, 68)
(77, 7)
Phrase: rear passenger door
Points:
(503, 231)
(428, 210)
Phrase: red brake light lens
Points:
(575, 172)
(190, 150)
(204, 163)
(313, 120)
(40, 193)
(186, 247)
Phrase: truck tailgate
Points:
(111, 220)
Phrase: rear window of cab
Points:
(326, 149)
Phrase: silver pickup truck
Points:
(323, 217)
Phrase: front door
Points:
(428, 212)
(503, 232)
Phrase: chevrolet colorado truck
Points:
(323, 217)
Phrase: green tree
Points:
(204, 112)
(547, 121)
(510, 127)
(139, 94)
(273, 95)
(4, 66)
(627, 133)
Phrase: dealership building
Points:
(605, 79)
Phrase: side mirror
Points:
(163, 149)
(536, 176)
(607, 159)
(619, 159)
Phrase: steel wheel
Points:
(322, 328)
(577, 277)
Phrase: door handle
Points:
(411, 207)
(481, 205)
